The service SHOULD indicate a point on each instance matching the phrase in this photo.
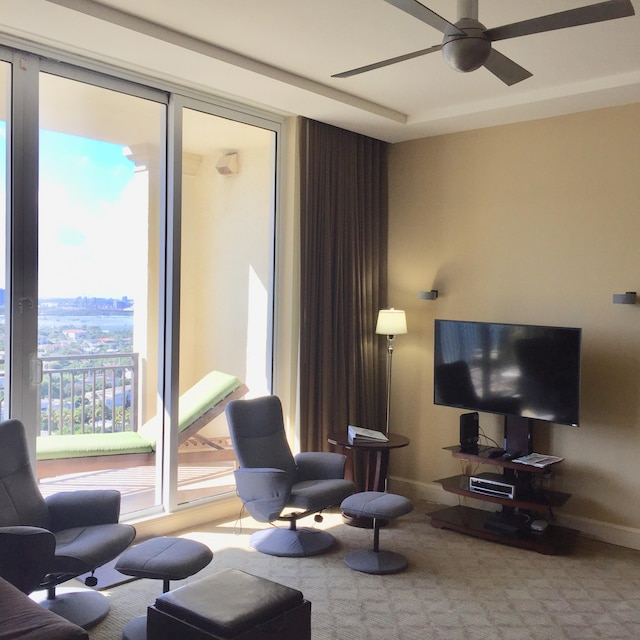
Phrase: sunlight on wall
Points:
(257, 327)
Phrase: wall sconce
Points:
(629, 297)
(428, 295)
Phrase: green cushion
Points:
(194, 403)
(91, 444)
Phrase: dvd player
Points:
(492, 484)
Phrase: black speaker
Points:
(469, 428)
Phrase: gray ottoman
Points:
(379, 506)
(163, 559)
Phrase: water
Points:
(107, 323)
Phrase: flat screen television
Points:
(519, 370)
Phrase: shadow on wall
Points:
(610, 388)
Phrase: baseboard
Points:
(604, 531)
(621, 536)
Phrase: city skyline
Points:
(116, 302)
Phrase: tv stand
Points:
(511, 525)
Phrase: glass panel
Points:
(225, 308)
(98, 281)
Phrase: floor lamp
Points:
(391, 322)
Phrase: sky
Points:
(87, 230)
(92, 217)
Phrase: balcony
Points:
(86, 394)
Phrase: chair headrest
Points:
(21, 502)
(257, 432)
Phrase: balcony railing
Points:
(89, 394)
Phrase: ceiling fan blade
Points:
(417, 10)
(386, 63)
(571, 18)
(506, 69)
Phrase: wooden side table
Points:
(373, 456)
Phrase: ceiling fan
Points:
(466, 45)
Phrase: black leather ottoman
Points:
(229, 605)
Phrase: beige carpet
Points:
(456, 587)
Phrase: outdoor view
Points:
(86, 306)
(101, 286)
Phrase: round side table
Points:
(374, 455)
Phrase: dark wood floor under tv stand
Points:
(471, 521)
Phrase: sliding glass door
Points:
(100, 159)
(227, 213)
(122, 297)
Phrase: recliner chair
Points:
(270, 479)
(45, 542)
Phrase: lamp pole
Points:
(390, 339)
(391, 322)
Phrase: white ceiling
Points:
(280, 54)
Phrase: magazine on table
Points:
(538, 460)
(365, 435)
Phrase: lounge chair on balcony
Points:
(62, 454)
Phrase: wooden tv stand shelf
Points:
(535, 502)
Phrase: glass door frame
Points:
(23, 370)
(177, 104)
(22, 237)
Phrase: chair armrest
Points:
(69, 509)
(319, 465)
(263, 491)
(26, 555)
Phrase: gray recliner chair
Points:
(45, 542)
(270, 479)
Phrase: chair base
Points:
(135, 629)
(83, 607)
(376, 562)
(288, 543)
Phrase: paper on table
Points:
(360, 433)
(538, 460)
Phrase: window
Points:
(128, 294)
(225, 292)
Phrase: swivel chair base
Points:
(376, 562)
(292, 543)
(83, 607)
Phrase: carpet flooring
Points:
(456, 587)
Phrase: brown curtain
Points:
(343, 227)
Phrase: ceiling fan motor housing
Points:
(466, 52)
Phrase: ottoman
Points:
(231, 604)
(163, 559)
(379, 506)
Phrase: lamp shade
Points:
(391, 322)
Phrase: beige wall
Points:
(220, 282)
(535, 223)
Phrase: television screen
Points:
(518, 370)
